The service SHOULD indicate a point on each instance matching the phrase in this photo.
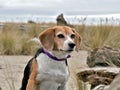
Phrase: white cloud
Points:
(30, 3)
(65, 6)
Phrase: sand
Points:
(12, 67)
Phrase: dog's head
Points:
(60, 38)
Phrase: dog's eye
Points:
(72, 36)
(61, 36)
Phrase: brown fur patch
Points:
(32, 78)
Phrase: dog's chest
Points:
(51, 70)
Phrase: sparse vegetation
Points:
(98, 36)
(15, 36)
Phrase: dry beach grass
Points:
(15, 37)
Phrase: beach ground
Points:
(12, 67)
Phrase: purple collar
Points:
(55, 58)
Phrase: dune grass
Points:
(14, 40)
(92, 36)
(98, 36)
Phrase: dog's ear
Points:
(47, 38)
(77, 40)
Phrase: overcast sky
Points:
(53, 7)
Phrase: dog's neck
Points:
(57, 54)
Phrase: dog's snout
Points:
(71, 45)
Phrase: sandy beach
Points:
(12, 67)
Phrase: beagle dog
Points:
(48, 69)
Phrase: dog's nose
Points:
(71, 45)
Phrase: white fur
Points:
(66, 43)
(52, 74)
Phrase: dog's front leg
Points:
(31, 84)
(32, 78)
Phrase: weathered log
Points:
(105, 56)
(104, 66)
(97, 76)
(61, 21)
(31, 22)
(115, 85)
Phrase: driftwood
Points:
(31, 22)
(115, 85)
(98, 76)
(103, 68)
(61, 21)
(105, 56)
